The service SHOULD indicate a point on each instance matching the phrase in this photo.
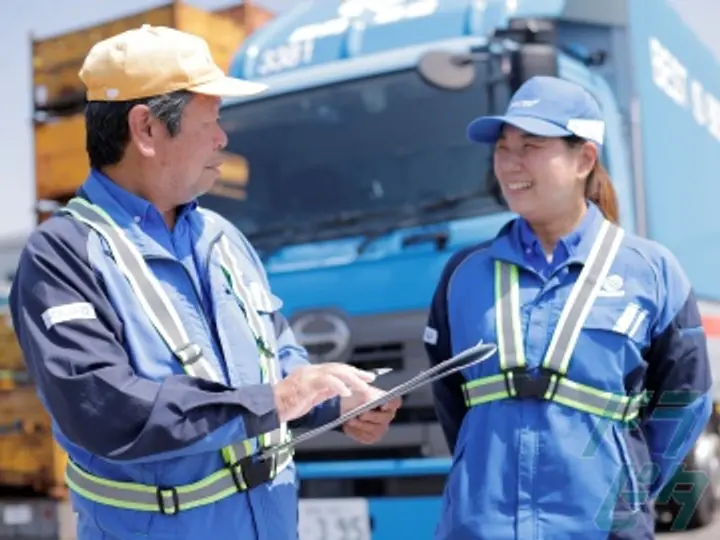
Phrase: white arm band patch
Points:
(430, 336)
(68, 312)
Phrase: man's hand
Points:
(371, 426)
(308, 386)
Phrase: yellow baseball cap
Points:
(154, 60)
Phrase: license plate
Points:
(334, 519)
(17, 514)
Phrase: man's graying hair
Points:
(106, 124)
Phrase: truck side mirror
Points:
(447, 71)
(453, 71)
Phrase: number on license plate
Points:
(17, 514)
(334, 519)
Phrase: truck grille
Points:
(379, 355)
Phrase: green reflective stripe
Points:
(270, 369)
(570, 393)
(507, 316)
(142, 497)
(237, 451)
(150, 294)
(244, 295)
(582, 296)
(485, 390)
(598, 402)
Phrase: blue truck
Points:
(354, 179)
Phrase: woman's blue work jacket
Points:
(531, 468)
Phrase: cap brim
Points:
(487, 129)
(229, 87)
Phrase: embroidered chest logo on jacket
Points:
(613, 286)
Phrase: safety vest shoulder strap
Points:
(582, 296)
(552, 383)
(151, 295)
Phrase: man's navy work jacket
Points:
(121, 406)
(530, 469)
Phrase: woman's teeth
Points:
(517, 186)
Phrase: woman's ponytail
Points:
(599, 189)
(598, 186)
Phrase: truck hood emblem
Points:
(325, 336)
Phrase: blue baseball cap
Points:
(547, 107)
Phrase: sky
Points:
(43, 18)
(39, 19)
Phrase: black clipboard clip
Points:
(469, 357)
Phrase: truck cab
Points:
(354, 179)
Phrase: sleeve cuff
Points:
(263, 416)
(325, 412)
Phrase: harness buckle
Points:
(530, 385)
(252, 472)
(160, 493)
(189, 353)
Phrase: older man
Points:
(149, 325)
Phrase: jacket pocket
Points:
(619, 319)
(628, 482)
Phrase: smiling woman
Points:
(593, 325)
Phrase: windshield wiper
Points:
(406, 216)
(313, 230)
(289, 231)
(446, 202)
(351, 217)
(416, 214)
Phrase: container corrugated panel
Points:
(61, 163)
(11, 358)
(57, 60)
(29, 456)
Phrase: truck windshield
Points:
(356, 154)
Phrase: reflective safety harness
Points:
(242, 470)
(515, 380)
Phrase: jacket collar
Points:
(516, 236)
(137, 217)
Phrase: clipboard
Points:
(469, 357)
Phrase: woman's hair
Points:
(598, 186)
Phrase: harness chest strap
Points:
(552, 384)
(241, 472)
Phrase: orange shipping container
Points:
(57, 60)
(60, 159)
(29, 456)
